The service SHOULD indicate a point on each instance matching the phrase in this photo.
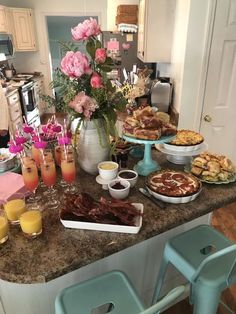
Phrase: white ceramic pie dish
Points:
(180, 148)
(175, 199)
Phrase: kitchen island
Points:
(33, 271)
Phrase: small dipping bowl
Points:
(119, 188)
(129, 175)
(108, 170)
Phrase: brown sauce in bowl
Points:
(118, 186)
(127, 175)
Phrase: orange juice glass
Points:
(4, 228)
(31, 223)
(14, 207)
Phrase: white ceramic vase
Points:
(91, 149)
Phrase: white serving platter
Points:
(107, 227)
(174, 200)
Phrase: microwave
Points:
(6, 45)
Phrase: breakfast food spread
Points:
(173, 183)
(212, 167)
(186, 138)
(148, 125)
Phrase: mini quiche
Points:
(173, 183)
(187, 138)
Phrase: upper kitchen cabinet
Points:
(24, 31)
(3, 21)
(155, 33)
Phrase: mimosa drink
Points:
(58, 155)
(3, 228)
(30, 176)
(36, 155)
(48, 172)
(31, 223)
(68, 170)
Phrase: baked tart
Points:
(187, 138)
(173, 183)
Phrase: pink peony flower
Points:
(86, 29)
(84, 104)
(100, 55)
(96, 80)
(75, 64)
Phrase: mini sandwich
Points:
(168, 129)
(128, 129)
(132, 121)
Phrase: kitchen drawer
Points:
(13, 98)
(15, 111)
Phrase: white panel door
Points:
(218, 124)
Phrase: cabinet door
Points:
(141, 21)
(156, 25)
(9, 21)
(24, 29)
(3, 26)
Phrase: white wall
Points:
(111, 11)
(178, 48)
(39, 61)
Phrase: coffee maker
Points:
(161, 94)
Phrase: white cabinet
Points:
(15, 113)
(3, 22)
(9, 21)
(24, 31)
(155, 33)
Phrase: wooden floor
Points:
(224, 220)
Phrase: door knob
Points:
(207, 118)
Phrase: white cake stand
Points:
(181, 158)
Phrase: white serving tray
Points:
(107, 227)
(174, 200)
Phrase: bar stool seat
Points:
(206, 258)
(112, 293)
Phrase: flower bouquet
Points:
(85, 91)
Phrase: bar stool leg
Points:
(206, 299)
(160, 278)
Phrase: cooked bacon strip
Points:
(83, 207)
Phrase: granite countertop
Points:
(58, 250)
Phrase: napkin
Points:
(11, 183)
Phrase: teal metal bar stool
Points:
(207, 259)
(112, 293)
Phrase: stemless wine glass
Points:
(4, 228)
(48, 172)
(68, 168)
(31, 179)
